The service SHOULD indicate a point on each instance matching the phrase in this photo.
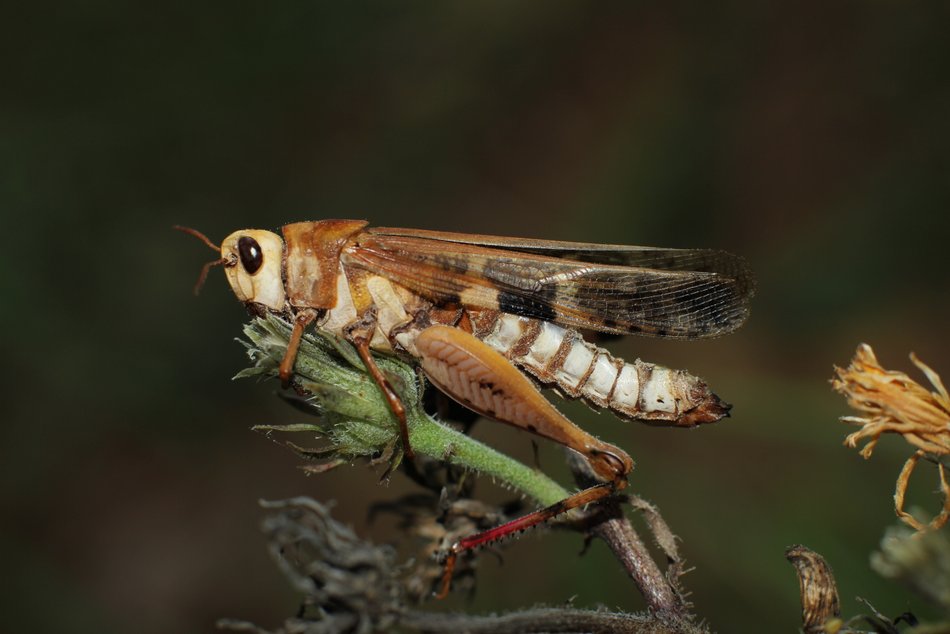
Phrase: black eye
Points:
(251, 255)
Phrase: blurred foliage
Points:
(809, 137)
(351, 585)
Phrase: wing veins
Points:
(605, 297)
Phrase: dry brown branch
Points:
(608, 522)
(352, 585)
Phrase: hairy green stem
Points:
(356, 418)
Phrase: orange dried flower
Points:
(892, 402)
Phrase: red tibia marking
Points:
(580, 498)
(522, 523)
(537, 517)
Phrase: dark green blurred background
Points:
(811, 139)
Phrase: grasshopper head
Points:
(252, 261)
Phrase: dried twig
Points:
(352, 585)
(608, 522)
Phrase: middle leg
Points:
(360, 333)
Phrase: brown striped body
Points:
(561, 358)
(381, 287)
(555, 356)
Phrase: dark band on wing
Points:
(537, 307)
(603, 297)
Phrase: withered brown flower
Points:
(892, 402)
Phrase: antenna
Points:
(197, 234)
(207, 267)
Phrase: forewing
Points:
(613, 298)
(695, 260)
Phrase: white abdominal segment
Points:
(655, 395)
(506, 333)
(545, 346)
(575, 365)
(627, 387)
(601, 379)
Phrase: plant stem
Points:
(360, 422)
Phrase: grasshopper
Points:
(490, 318)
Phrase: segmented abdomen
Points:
(560, 357)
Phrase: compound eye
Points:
(251, 255)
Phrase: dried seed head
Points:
(820, 605)
(892, 402)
